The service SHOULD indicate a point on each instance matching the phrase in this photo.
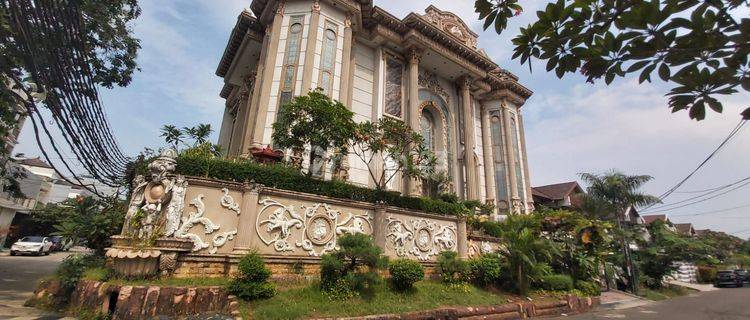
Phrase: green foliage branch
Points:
(353, 268)
(701, 48)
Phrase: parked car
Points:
(728, 278)
(743, 274)
(35, 245)
(60, 244)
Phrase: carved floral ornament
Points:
(313, 229)
(478, 248)
(451, 24)
(420, 237)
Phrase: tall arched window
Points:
(328, 57)
(291, 60)
(427, 125)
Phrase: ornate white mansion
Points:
(424, 69)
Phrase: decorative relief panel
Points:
(313, 228)
(420, 237)
(430, 81)
(228, 202)
(478, 248)
(198, 218)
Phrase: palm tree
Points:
(172, 135)
(526, 253)
(609, 196)
(613, 193)
(199, 133)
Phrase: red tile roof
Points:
(685, 228)
(654, 217)
(557, 191)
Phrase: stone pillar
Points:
(246, 114)
(412, 187)
(525, 163)
(472, 181)
(489, 163)
(511, 159)
(248, 215)
(265, 88)
(312, 40)
(380, 226)
(347, 66)
(462, 241)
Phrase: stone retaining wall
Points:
(146, 302)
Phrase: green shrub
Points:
(556, 282)
(485, 270)
(404, 273)
(451, 268)
(251, 281)
(72, 269)
(706, 274)
(290, 178)
(353, 268)
(589, 288)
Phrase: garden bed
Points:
(311, 302)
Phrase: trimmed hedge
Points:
(289, 178)
(556, 282)
(590, 288)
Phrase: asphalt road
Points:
(725, 304)
(18, 278)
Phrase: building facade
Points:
(424, 69)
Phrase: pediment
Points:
(451, 24)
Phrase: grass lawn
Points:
(311, 302)
(664, 293)
(101, 274)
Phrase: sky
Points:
(571, 126)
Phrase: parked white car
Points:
(35, 245)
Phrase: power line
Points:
(698, 196)
(711, 155)
(706, 199)
(713, 211)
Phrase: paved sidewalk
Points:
(615, 300)
(696, 286)
(18, 279)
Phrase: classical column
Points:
(268, 67)
(412, 185)
(312, 40)
(462, 242)
(380, 225)
(245, 117)
(489, 163)
(525, 162)
(347, 66)
(510, 158)
(248, 214)
(472, 181)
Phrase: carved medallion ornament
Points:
(479, 248)
(313, 229)
(421, 238)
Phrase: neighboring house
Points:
(685, 229)
(702, 232)
(566, 195)
(424, 69)
(42, 185)
(649, 219)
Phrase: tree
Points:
(353, 267)
(199, 134)
(609, 195)
(85, 220)
(401, 149)
(105, 36)
(700, 47)
(314, 120)
(526, 252)
(172, 135)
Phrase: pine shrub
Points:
(251, 282)
(451, 268)
(485, 270)
(404, 273)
